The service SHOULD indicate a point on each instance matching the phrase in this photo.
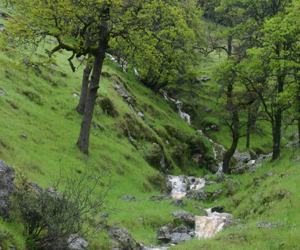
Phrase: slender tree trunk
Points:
(83, 141)
(277, 134)
(84, 87)
(229, 45)
(235, 139)
(248, 128)
(299, 129)
(276, 126)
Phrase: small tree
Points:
(51, 217)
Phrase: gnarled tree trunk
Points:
(83, 141)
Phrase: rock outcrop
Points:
(7, 188)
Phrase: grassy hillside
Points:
(39, 128)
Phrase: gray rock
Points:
(179, 203)
(180, 237)
(253, 168)
(140, 114)
(217, 192)
(23, 136)
(75, 242)
(163, 234)
(297, 159)
(198, 195)
(121, 91)
(237, 183)
(54, 193)
(264, 224)
(180, 229)
(269, 173)
(104, 215)
(54, 65)
(121, 238)
(25, 61)
(129, 197)
(240, 168)
(2, 92)
(7, 188)
(243, 156)
(185, 217)
(36, 188)
(160, 198)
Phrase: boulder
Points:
(179, 203)
(7, 188)
(163, 234)
(198, 195)
(75, 242)
(121, 238)
(180, 237)
(242, 157)
(185, 217)
(240, 168)
(180, 229)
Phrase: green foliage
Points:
(49, 217)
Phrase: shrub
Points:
(50, 217)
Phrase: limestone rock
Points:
(242, 157)
(185, 217)
(121, 238)
(163, 234)
(75, 242)
(198, 195)
(180, 229)
(179, 203)
(180, 237)
(7, 188)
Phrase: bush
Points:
(50, 217)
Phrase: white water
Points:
(178, 103)
(181, 184)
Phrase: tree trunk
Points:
(276, 126)
(235, 139)
(83, 141)
(248, 128)
(159, 86)
(229, 45)
(84, 87)
(298, 129)
(276, 132)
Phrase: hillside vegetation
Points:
(136, 143)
